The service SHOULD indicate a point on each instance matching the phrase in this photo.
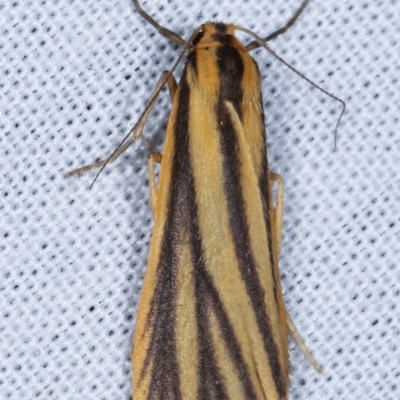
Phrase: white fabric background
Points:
(74, 77)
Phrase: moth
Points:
(211, 322)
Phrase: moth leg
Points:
(277, 214)
(152, 158)
(157, 157)
(135, 132)
(277, 227)
(172, 85)
(300, 342)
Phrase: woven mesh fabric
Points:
(74, 77)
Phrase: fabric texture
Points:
(75, 77)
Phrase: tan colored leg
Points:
(152, 158)
(135, 132)
(277, 224)
(157, 157)
(300, 342)
(277, 213)
(172, 86)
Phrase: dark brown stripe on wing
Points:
(231, 90)
(191, 62)
(162, 352)
(265, 194)
(211, 383)
(231, 68)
